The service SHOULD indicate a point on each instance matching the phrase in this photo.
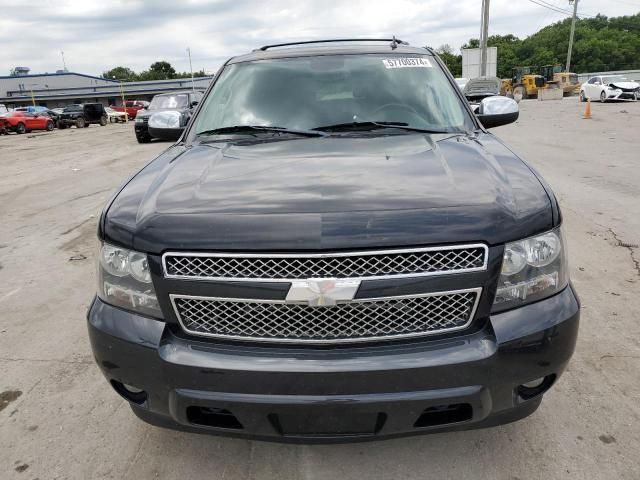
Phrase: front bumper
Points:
(67, 122)
(171, 134)
(621, 94)
(344, 394)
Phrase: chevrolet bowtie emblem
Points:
(322, 292)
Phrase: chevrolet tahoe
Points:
(336, 249)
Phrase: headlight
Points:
(532, 269)
(124, 280)
(165, 120)
(139, 119)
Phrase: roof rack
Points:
(394, 42)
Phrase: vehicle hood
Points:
(147, 113)
(330, 193)
(626, 85)
(481, 87)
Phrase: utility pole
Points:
(64, 64)
(484, 37)
(573, 31)
(193, 87)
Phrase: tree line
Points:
(157, 71)
(600, 44)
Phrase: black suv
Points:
(82, 115)
(336, 249)
(166, 116)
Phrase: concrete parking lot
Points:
(59, 419)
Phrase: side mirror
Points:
(496, 111)
(194, 103)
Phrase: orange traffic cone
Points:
(587, 110)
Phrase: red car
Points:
(132, 107)
(21, 122)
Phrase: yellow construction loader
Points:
(524, 83)
(567, 81)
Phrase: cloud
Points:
(97, 35)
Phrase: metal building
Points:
(59, 89)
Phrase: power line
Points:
(542, 3)
(550, 7)
(628, 3)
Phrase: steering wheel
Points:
(396, 105)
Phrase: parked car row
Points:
(165, 117)
(81, 115)
(26, 119)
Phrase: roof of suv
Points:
(330, 49)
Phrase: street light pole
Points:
(193, 87)
(124, 103)
(573, 31)
(484, 37)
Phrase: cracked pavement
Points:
(66, 422)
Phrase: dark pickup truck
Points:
(336, 249)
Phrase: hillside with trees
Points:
(601, 44)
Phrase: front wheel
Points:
(81, 123)
(103, 121)
(583, 98)
(636, 96)
(49, 126)
(20, 128)
(143, 138)
(603, 97)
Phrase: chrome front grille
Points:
(363, 265)
(357, 320)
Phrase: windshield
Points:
(313, 92)
(169, 101)
(73, 108)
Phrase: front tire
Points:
(49, 127)
(20, 129)
(103, 121)
(81, 123)
(636, 96)
(583, 98)
(143, 138)
(603, 97)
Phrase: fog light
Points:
(535, 387)
(135, 390)
(129, 392)
(533, 384)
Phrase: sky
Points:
(97, 35)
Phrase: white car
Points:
(115, 116)
(609, 87)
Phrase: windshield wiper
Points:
(359, 126)
(260, 128)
